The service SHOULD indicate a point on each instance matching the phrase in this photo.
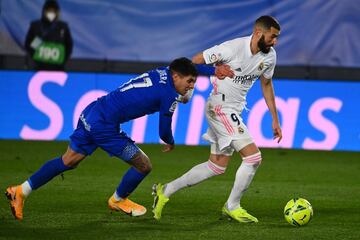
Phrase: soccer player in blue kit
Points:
(158, 90)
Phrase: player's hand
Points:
(222, 71)
(277, 131)
(168, 147)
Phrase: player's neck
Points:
(253, 46)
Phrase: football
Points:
(298, 212)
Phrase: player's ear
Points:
(175, 76)
(178, 76)
(258, 31)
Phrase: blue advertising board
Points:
(314, 114)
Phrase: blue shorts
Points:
(93, 131)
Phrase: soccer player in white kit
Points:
(250, 58)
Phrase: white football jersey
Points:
(247, 68)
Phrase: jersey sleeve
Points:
(219, 53)
(204, 69)
(269, 72)
(167, 110)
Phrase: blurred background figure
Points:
(48, 40)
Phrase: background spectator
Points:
(48, 41)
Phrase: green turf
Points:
(76, 207)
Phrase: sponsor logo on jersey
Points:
(247, 79)
(173, 106)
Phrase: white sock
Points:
(117, 197)
(26, 188)
(244, 176)
(194, 176)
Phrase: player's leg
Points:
(141, 167)
(216, 165)
(251, 160)
(52, 168)
(80, 146)
(121, 146)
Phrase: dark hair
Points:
(51, 4)
(267, 22)
(183, 66)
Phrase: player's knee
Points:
(73, 163)
(216, 169)
(142, 163)
(72, 159)
(146, 168)
(254, 159)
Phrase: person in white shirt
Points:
(250, 58)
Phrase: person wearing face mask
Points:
(48, 41)
(250, 57)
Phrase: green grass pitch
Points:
(76, 207)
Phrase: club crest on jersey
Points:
(261, 66)
(211, 111)
(173, 106)
(241, 130)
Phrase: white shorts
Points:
(226, 131)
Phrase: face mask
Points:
(50, 16)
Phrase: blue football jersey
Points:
(147, 93)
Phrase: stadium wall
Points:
(314, 114)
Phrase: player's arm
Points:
(213, 56)
(269, 96)
(198, 58)
(220, 71)
(165, 118)
(165, 132)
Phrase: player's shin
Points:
(119, 200)
(129, 182)
(47, 172)
(194, 176)
(17, 194)
(244, 176)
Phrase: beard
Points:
(263, 46)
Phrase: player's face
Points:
(268, 39)
(183, 83)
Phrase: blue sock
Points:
(129, 182)
(47, 172)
